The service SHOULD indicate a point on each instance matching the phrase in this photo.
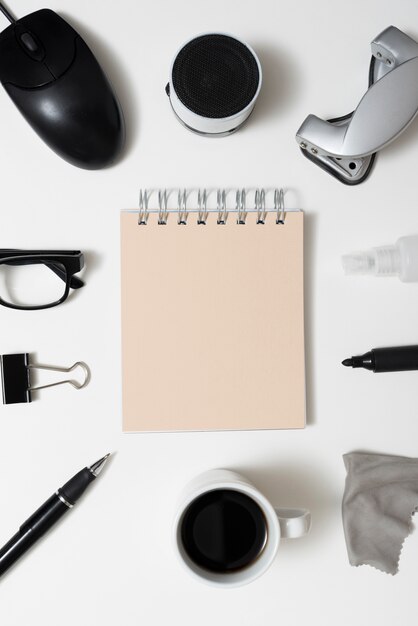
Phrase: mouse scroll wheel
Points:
(31, 45)
(29, 42)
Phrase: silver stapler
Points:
(346, 146)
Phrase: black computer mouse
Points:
(59, 87)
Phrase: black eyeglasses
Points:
(38, 279)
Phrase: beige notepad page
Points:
(212, 324)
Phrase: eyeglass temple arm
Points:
(75, 283)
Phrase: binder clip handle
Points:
(68, 381)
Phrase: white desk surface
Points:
(111, 560)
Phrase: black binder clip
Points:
(16, 382)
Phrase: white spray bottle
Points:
(399, 260)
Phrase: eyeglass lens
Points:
(34, 284)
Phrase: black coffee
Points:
(223, 530)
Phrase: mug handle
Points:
(293, 523)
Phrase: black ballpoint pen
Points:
(48, 514)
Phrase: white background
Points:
(111, 560)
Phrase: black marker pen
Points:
(399, 359)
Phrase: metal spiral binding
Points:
(182, 207)
(203, 211)
(260, 206)
(162, 203)
(279, 206)
(240, 198)
(143, 208)
(221, 202)
(201, 203)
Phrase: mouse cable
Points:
(7, 13)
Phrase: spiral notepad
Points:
(212, 312)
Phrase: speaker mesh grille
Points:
(215, 76)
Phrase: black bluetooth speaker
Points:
(214, 82)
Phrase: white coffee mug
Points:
(281, 523)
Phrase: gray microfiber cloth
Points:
(380, 497)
